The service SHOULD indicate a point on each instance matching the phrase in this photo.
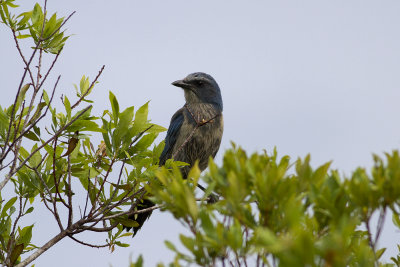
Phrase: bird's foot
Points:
(212, 198)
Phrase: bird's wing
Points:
(172, 135)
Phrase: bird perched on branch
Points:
(195, 130)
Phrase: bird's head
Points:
(200, 87)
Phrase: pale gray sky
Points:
(312, 76)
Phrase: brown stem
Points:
(70, 209)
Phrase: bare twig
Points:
(370, 241)
(27, 65)
(87, 244)
(49, 70)
(87, 195)
(97, 229)
(379, 228)
(39, 68)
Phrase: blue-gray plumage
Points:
(195, 130)
(203, 111)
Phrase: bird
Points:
(195, 131)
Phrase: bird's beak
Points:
(181, 84)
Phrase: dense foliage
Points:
(274, 212)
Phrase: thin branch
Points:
(96, 229)
(87, 195)
(44, 21)
(19, 124)
(140, 135)
(43, 182)
(379, 228)
(20, 214)
(39, 68)
(49, 70)
(56, 181)
(70, 209)
(23, 57)
(370, 241)
(56, 187)
(52, 212)
(124, 199)
(131, 212)
(87, 244)
(102, 185)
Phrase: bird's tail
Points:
(140, 218)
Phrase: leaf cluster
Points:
(276, 212)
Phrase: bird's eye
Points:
(199, 83)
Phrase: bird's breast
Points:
(200, 140)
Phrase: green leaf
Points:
(124, 245)
(36, 158)
(188, 242)
(380, 252)
(32, 136)
(140, 123)
(138, 263)
(26, 16)
(46, 97)
(67, 105)
(25, 235)
(21, 95)
(122, 126)
(37, 14)
(206, 223)
(144, 143)
(84, 125)
(170, 245)
(38, 112)
(114, 106)
(50, 26)
(84, 84)
(396, 220)
(7, 206)
(23, 36)
(126, 222)
(156, 129)
(29, 210)
(3, 17)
